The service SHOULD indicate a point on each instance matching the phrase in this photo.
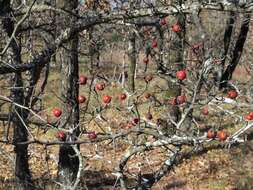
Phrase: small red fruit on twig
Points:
(146, 60)
(57, 112)
(147, 95)
(154, 44)
(163, 21)
(100, 86)
(176, 28)
(122, 96)
(173, 101)
(181, 99)
(135, 121)
(222, 135)
(81, 99)
(232, 94)
(82, 80)
(205, 111)
(61, 135)
(211, 134)
(181, 75)
(107, 99)
(248, 117)
(92, 135)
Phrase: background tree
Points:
(68, 159)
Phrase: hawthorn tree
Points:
(167, 42)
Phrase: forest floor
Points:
(224, 169)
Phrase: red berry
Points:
(149, 116)
(92, 135)
(176, 28)
(57, 112)
(81, 99)
(205, 111)
(248, 117)
(148, 78)
(82, 80)
(154, 44)
(147, 95)
(135, 121)
(210, 134)
(173, 101)
(146, 60)
(122, 96)
(181, 75)
(100, 86)
(61, 134)
(163, 21)
(181, 99)
(251, 114)
(232, 94)
(222, 135)
(107, 99)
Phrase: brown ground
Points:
(225, 169)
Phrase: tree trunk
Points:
(91, 48)
(68, 160)
(237, 51)
(53, 15)
(19, 115)
(132, 62)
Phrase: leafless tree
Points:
(159, 31)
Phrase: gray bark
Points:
(132, 61)
(18, 115)
(68, 160)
